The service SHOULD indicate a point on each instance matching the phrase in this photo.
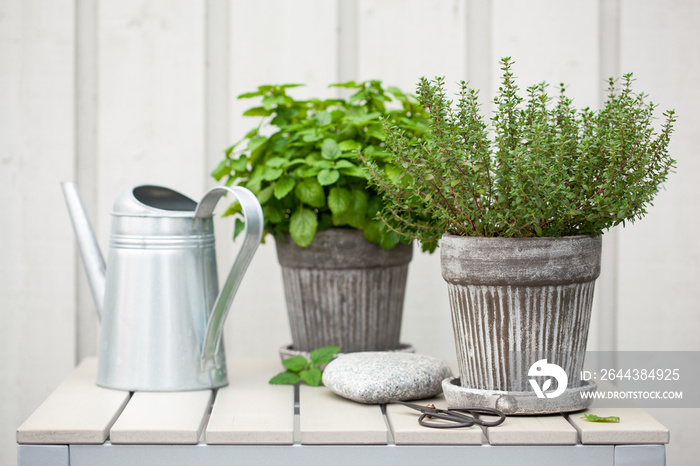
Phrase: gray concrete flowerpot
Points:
(515, 301)
(343, 290)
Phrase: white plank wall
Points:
(37, 264)
(117, 93)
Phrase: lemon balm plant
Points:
(307, 174)
(344, 271)
(518, 208)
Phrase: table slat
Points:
(406, 430)
(78, 411)
(162, 417)
(636, 426)
(530, 430)
(249, 410)
(326, 418)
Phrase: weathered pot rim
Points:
(341, 248)
(532, 261)
(516, 402)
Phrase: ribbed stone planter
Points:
(343, 290)
(516, 301)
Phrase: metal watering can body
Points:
(158, 300)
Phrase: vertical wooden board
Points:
(78, 411)
(86, 85)
(636, 426)
(659, 255)
(400, 41)
(326, 418)
(151, 98)
(276, 42)
(249, 410)
(549, 40)
(270, 42)
(36, 152)
(531, 430)
(406, 430)
(162, 418)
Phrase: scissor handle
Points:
(456, 419)
(457, 416)
(483, 410)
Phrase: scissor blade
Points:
(421, 408)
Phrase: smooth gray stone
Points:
(379, 377)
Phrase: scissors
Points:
(457, 417)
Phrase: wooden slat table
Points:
(252, 422)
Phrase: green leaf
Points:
(302, 226)
(389, 238)
(323, 164)
(233, 209)
(265, 194)
(356, 215)
(354, 171)
(342, 163)
(240, 164)
(295, 363)
(271, 174)
(238, 227)
(311, 192)
(277, 162)
(339, 200)
(347, 85)
(330, 149)
(285, 378)
(594, 418)
(256, 142)
(249, 95)
(272, 215)
(328, 176)
(258, 111)
(221, 170)
(323, 355)
(283, 186)
(374, 206)
(323, 118)
(349, 145)
(325, 222)
(312, 376)
(270, 101)
(373, 231)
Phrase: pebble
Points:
(379, 377)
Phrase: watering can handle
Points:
(251, 239)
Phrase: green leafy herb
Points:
(308, 370)
(310, 166)
(594, 418)
(541, 168)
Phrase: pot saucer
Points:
(519, 403)
(287, 351)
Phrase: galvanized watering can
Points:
(161, 311)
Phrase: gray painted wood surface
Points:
(111, 93)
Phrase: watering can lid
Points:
(149, 200)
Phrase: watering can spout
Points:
(87, 244)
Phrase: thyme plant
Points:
(541, 168)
